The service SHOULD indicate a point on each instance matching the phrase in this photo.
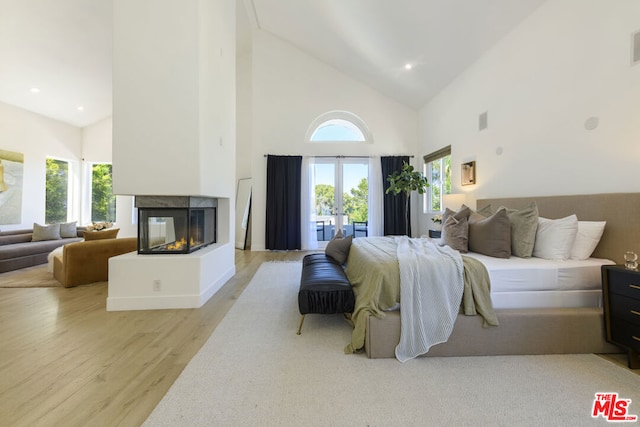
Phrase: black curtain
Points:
(283, 222)
(394, 206)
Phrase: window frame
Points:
(346, 116)
(429, 159)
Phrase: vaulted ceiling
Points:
(63, 47)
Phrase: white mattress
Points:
(539, 283)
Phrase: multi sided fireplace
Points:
(175, 224)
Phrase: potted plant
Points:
(404, 182)
(437, 221)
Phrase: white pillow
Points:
(555, 237)
(587, 238)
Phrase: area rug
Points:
(255, 370)
(31, 277)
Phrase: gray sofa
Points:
(18, 251)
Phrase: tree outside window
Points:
(57, 189)
(103, 201)
(356, 202)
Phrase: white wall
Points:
(567, 62)
(96, 148)
(38, 137)
(290, 89)
(174, 98)
(243, 117)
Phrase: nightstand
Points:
(621, 292)
(435, 234)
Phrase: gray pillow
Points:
(524, 223)
(68, 229)
(490, 236)
(45, 232)
(338, 247)
(456, 235)
(463, 212)
(485, 211)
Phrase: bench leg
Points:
(300, 327)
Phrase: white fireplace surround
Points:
(147, 282)
(171, 281)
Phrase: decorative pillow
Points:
(45, 232)
(111, 233)
(463, 212)
(524, 224)
(456, 235)
(338, 247)
(587, 238)
(485, 211)
(555, 237)
(68, 229)
(490, 236)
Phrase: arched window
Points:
(338, 126)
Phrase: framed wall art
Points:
(11, 171)
(469, 173)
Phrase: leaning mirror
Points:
(243, 211)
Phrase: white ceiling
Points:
(63, 47)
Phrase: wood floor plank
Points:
(65, 360)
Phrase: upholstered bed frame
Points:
(535, 331)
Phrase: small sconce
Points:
(469, 173)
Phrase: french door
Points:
(341, 195)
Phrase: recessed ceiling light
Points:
(34, 90)
(80, 108)
(408, 66)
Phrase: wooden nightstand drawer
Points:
(626, 334)
(625, 282)
(625, 308)
(621, 294)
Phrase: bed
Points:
(548, 319)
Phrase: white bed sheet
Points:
(539, 283)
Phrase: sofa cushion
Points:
(15, 238)
(68, 229)
(45, 232)
(18, 250)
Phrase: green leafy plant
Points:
(404, 182)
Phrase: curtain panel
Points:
(394, 206)
(283, 219)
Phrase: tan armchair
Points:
(88, 261)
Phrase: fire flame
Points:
(179, 244)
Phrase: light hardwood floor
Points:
(66, 361)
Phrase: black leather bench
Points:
(324, 287)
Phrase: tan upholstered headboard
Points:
(620, 210)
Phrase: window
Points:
(341, 194)
(338, 126)
(438, 171)
(57, 191)
(103, 201)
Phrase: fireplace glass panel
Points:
(175, 230)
